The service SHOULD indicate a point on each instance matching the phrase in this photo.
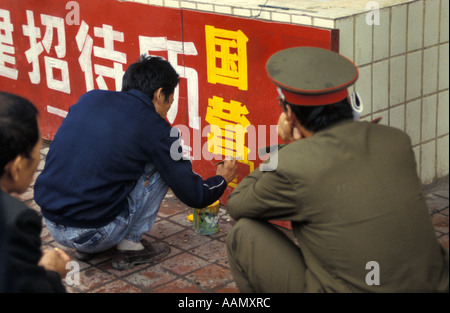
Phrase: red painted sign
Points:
(53, 51)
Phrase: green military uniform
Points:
(353, 196)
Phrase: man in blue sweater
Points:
(110, 166)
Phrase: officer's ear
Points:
(298, 131)
(291, 115)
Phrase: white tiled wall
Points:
(415, 30)
(403, 60)
(410, 84)
(399, 17)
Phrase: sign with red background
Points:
(53, 51)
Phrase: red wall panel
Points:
(53, 51)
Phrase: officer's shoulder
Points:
(290, 153)
(386, 134)
(382, 128)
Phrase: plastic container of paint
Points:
(206, 220)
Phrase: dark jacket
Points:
(5, 280)
(99, 153)
(23, 229)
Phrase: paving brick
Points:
(151, 277)
(229, 288)
(444, 240)
(93, 277)
(211, 276)
(188, 239)
(440, 222)
(118, 286)
(164, 228)
(184, 263)
(179, 286)
(212, 251)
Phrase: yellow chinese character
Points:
(226, 55)
(228, 128)
(251, 166)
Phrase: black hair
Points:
(316, 118)
(19, 130)
(149, 74)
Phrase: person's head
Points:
(156, 78)
(316, 118)
(20, 142)
(312, 86)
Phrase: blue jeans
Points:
(143, 206)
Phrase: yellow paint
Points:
(228, 136)
(226, 56)
(251, 166)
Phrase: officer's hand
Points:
(228, 169)
(286, 130)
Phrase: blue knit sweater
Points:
(100, 151)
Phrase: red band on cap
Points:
(315, 99)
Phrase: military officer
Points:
(349, 188)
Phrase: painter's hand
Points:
(228, 169)
(55, 260)
(286, 130)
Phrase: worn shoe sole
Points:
(84, 257)
(120, 263)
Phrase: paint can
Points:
(206, 220)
